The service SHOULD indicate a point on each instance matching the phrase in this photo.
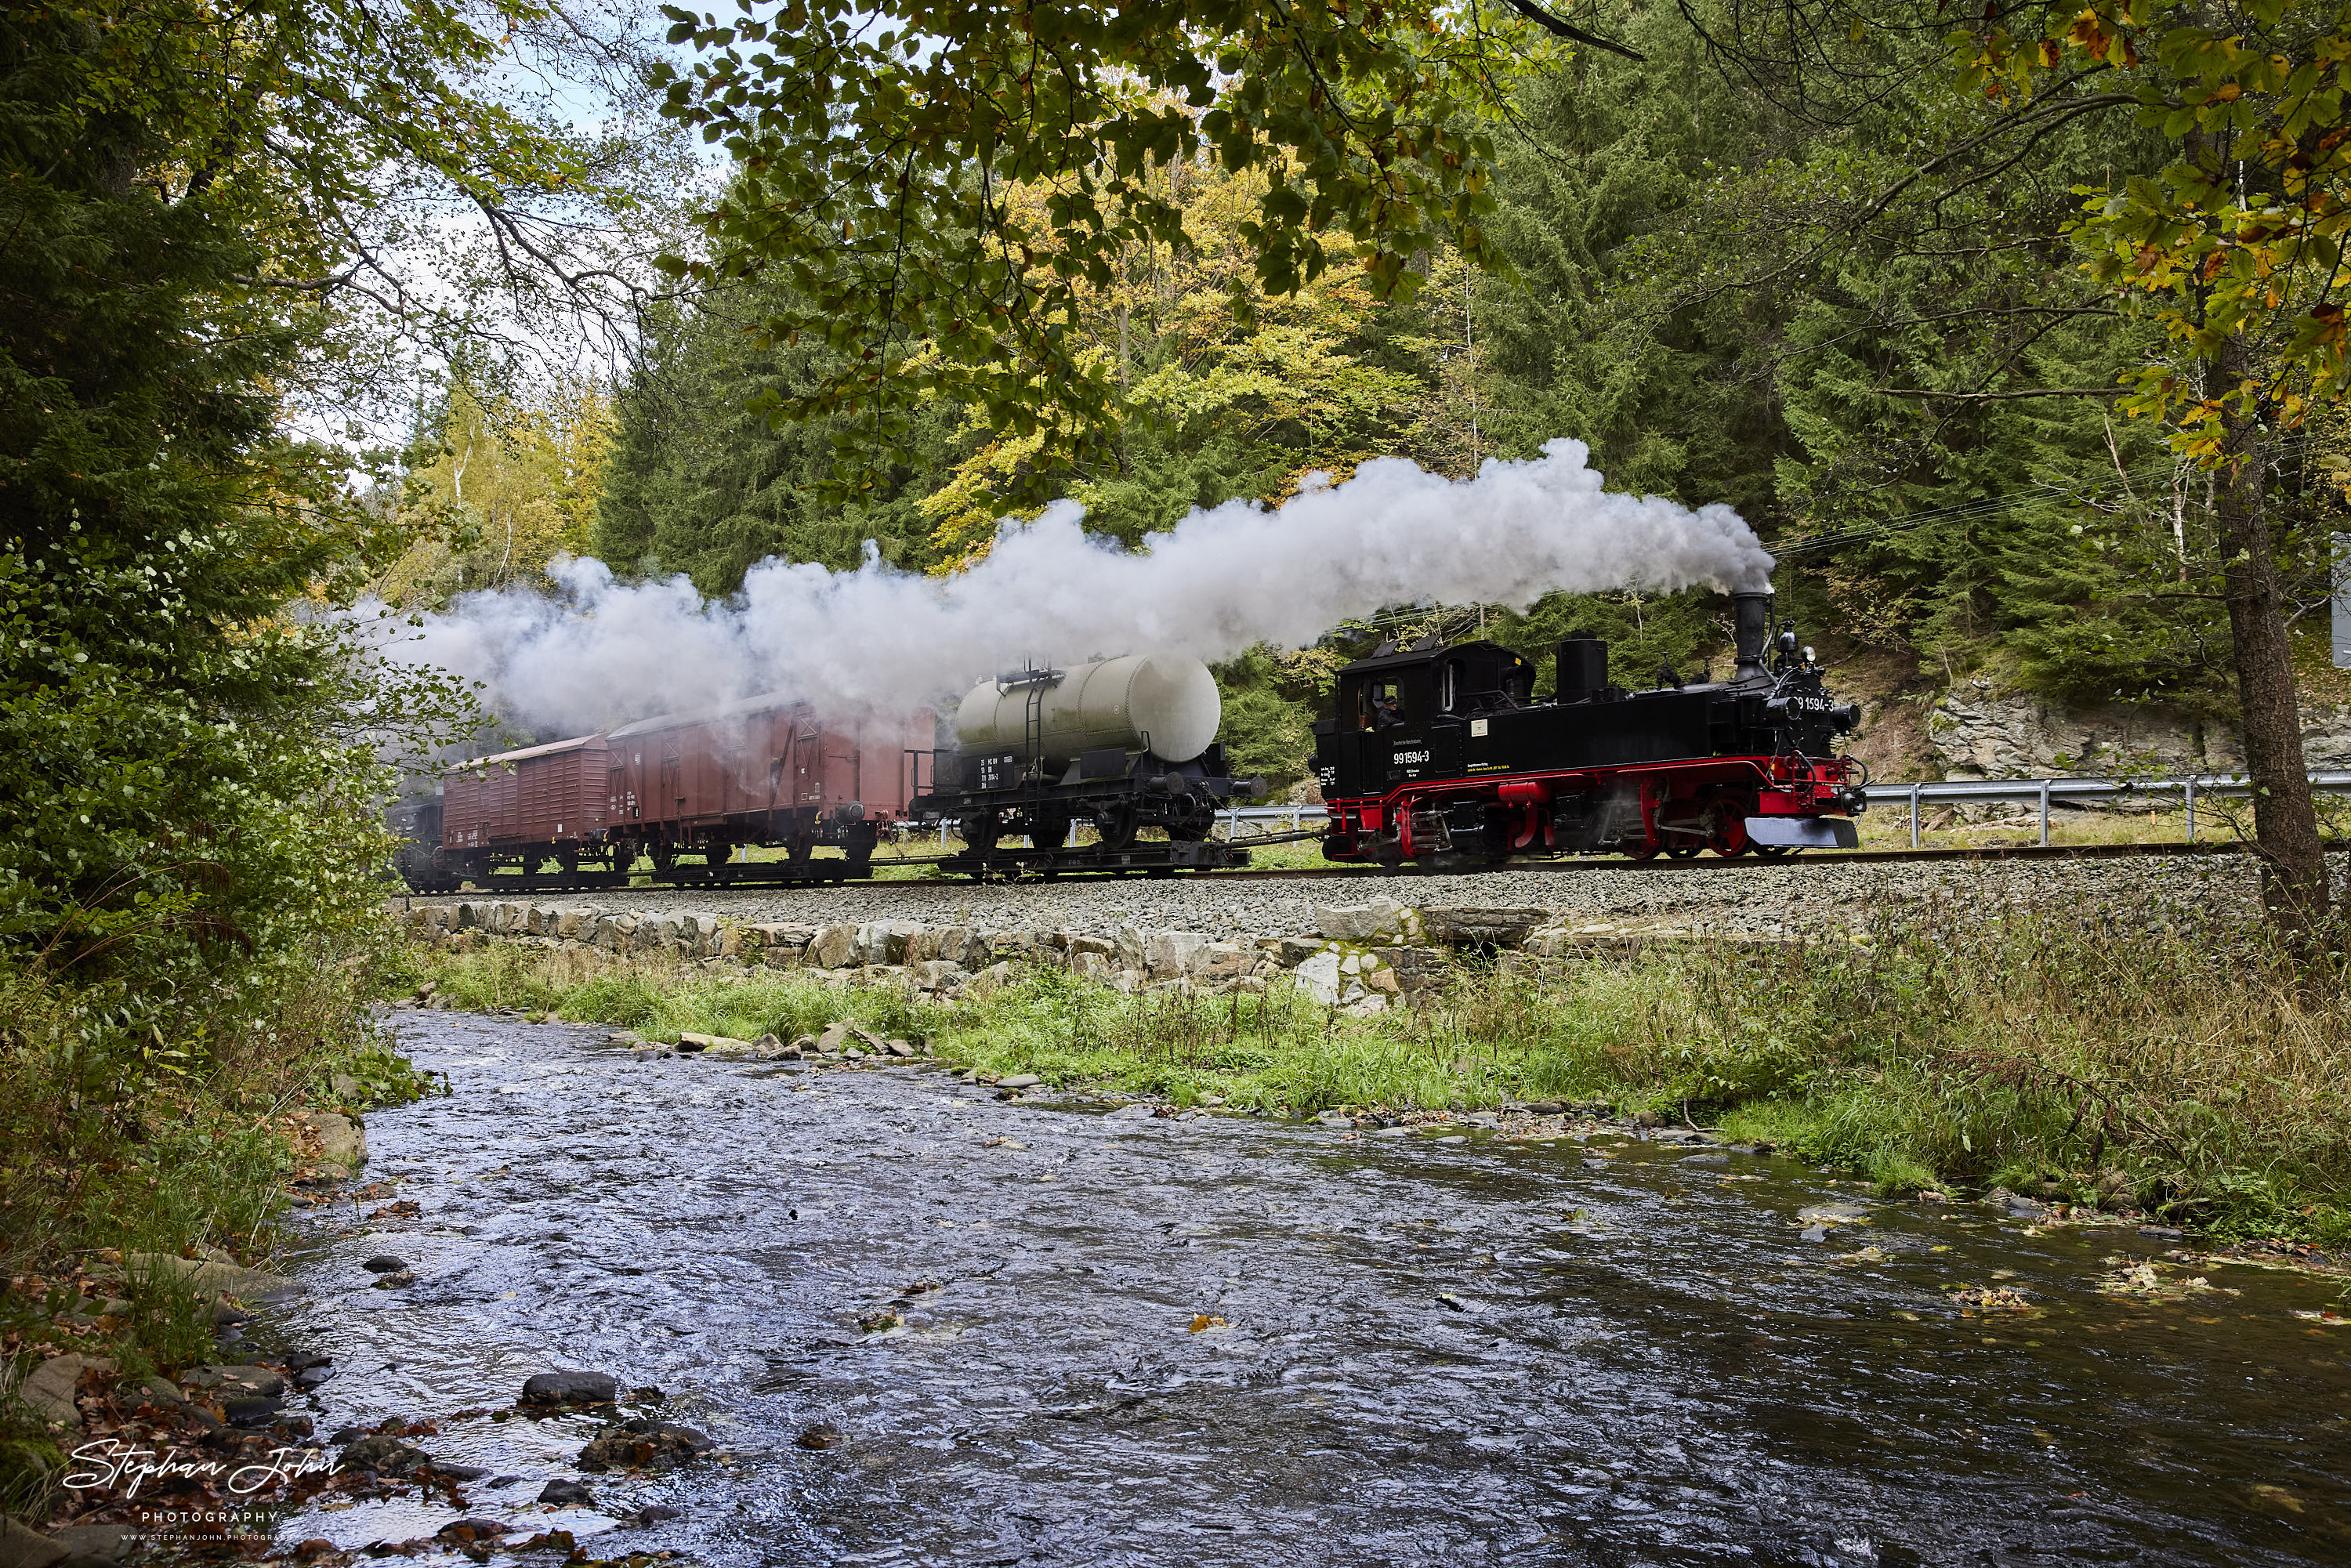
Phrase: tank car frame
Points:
(998, 793)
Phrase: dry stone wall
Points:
(1361, 959)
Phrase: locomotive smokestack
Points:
(1751, 632)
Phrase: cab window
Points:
(1379, 704)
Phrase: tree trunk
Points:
(2285, 821)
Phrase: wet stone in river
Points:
(570, 1387)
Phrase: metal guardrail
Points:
(2044, 790)
(1950, 791)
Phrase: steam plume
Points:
(1221, 580)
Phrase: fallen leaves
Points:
(1993, 1299)
(1207, 1321)
(2154, 1282)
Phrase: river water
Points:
(926, 1327)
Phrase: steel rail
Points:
(1603, 863)
(2044, 792)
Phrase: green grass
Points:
(2197, 1070)
(110, 1143)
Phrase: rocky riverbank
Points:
(1361, 957)
(859, 1309)
(1201, 935)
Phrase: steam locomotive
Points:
(1438, 755)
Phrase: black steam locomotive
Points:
(1439, 755)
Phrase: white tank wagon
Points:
(1123, 749)
(1168, 707)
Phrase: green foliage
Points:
(879, 151)
(190, 850)
(1270, 700)
(2237, 239)
(200, 818)
(702, 484)
(503, 488)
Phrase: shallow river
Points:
(1229, 1341)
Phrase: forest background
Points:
(1918, 410)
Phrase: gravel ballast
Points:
(1780, 899)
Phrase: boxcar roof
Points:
(763, 701)
(574, 744)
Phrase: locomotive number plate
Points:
(1410, 759)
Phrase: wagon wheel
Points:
(569, 860)
(664, 856)
(1114, 824)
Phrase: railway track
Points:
(716, 879)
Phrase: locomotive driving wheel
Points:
(1684, 826)
(1727, 824)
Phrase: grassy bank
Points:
(2192, 1075)
(111, 1143)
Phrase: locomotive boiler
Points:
(1438, 755)
(1125, 747)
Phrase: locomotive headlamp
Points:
(1808, 656)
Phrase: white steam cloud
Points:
(603, 653)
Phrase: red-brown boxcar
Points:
(528, 805)
(761, 772)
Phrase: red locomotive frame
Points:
(1685, 806)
